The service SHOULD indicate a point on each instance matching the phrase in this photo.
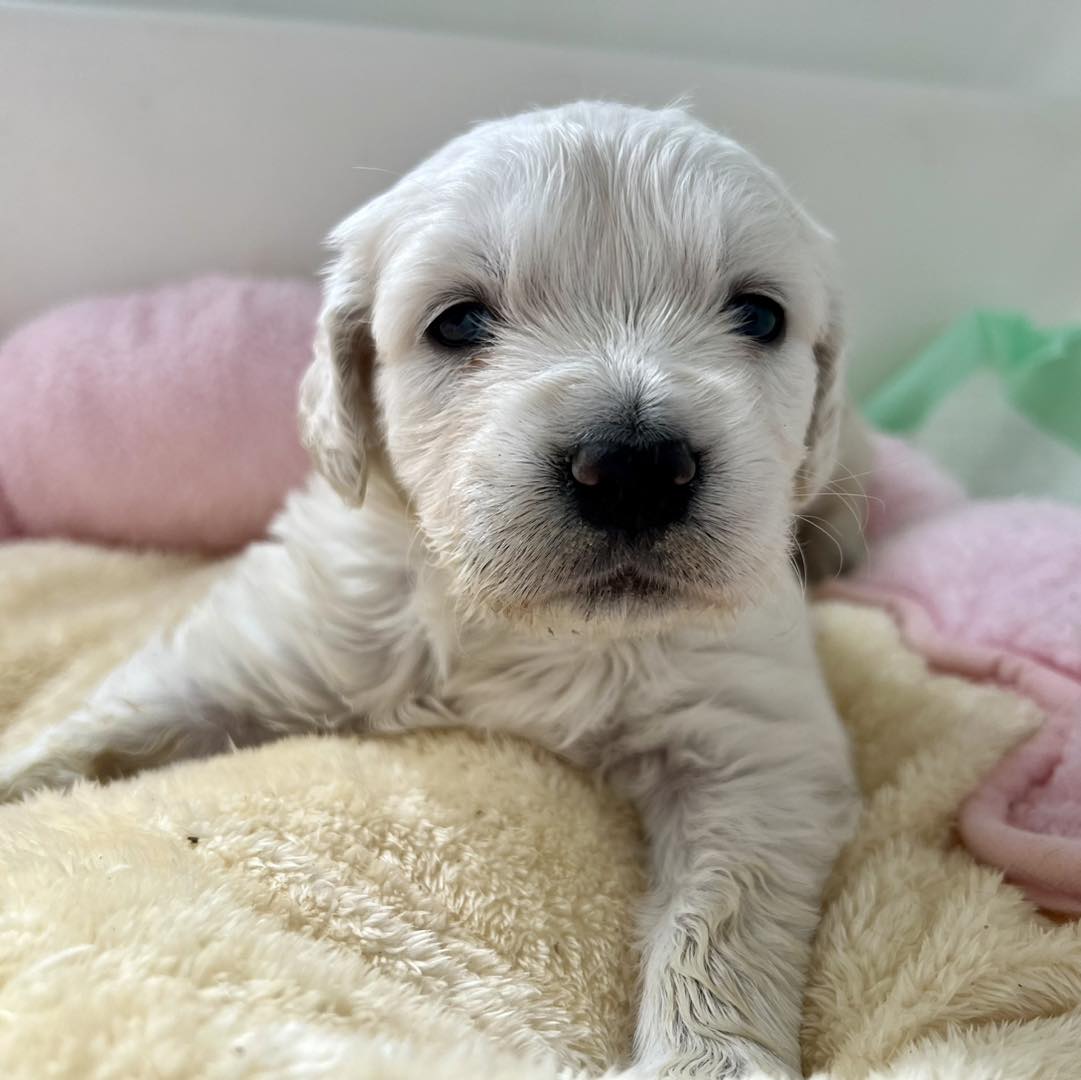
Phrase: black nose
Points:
(632, 488)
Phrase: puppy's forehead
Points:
(603, 202)
(636, 190)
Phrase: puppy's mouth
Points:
(631, 590)
(620, 584)
(629, 581)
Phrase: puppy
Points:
(582, 368)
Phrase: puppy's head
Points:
(598, 350)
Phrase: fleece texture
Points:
(164, 418)
(443, 907)
(991, 590)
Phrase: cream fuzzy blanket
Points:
(442, 907)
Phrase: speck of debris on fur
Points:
(193, 840)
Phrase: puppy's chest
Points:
(576, 698)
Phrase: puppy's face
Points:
(596, 348)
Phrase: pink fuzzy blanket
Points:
(992, 591)
(163, 418)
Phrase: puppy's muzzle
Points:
(632, 489)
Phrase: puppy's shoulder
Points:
(317, 526)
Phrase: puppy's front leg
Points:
(282, 644)
(739, 855)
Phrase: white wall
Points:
(1027, 45)
(136, 148)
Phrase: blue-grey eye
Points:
(462, 326)
(757, 317)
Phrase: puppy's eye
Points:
(757, 317)
(462, 326)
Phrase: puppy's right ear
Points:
(338, 422)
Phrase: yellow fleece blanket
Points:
(444, 907)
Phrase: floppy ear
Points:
(337, 424)
(338, 419)
(823, 432)
(830, 496)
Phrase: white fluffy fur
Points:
(464, 591)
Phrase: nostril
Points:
(682, 462)
(666, 463)
(632, 487)
(587, 464)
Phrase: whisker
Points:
(801, 566)
(817, 523)
(857, 518)
(834, 488)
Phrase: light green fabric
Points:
(997, 402)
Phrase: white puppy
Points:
(586, 365)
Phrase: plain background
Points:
(941, 142)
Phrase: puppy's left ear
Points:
(823, 432)
(830, 498)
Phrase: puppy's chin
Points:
(623, 604)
